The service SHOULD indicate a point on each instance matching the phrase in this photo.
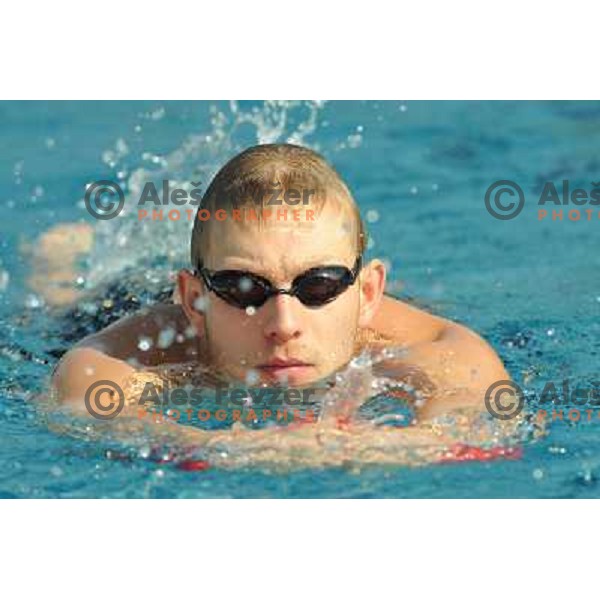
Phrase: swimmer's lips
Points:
(288, 367)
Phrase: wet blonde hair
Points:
(256, 171)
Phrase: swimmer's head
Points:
(272, 182)
(322, 227)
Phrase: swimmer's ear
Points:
(372, 285)
(192, 294)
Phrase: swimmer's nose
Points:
(283, 318)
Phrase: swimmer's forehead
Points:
(283, 249)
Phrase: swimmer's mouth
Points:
(280, 363)
(287, 371)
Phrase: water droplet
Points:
(538, 474)
(144, 343)
(252, 377)
(393, 352)
(354, 140)
(18, 171)
(121, 147)
(372, 216)
(158, 114)
(32, 301)
(550, 332)
(360, 362)
(435, 187)
(403, 108)
(4, 279)
(165, 337)
(245, 284)
(201, 304)
(109, 158)
(414, 190)
(56, 471)
(250, 311)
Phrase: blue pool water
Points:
(419, 171)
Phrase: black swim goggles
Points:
(315, 287)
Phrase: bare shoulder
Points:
(80, 368)
(152, 336)
(115, 353)
(405, 324)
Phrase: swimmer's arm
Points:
(454, 369)
(441, 354)
(324, 445)
(307, 446)
(316, 445)
(82, 367)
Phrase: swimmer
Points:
(289, 303)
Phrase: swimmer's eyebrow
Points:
(257, 265)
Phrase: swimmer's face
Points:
(244, 344)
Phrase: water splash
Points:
(359, 382)
(126, 241)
